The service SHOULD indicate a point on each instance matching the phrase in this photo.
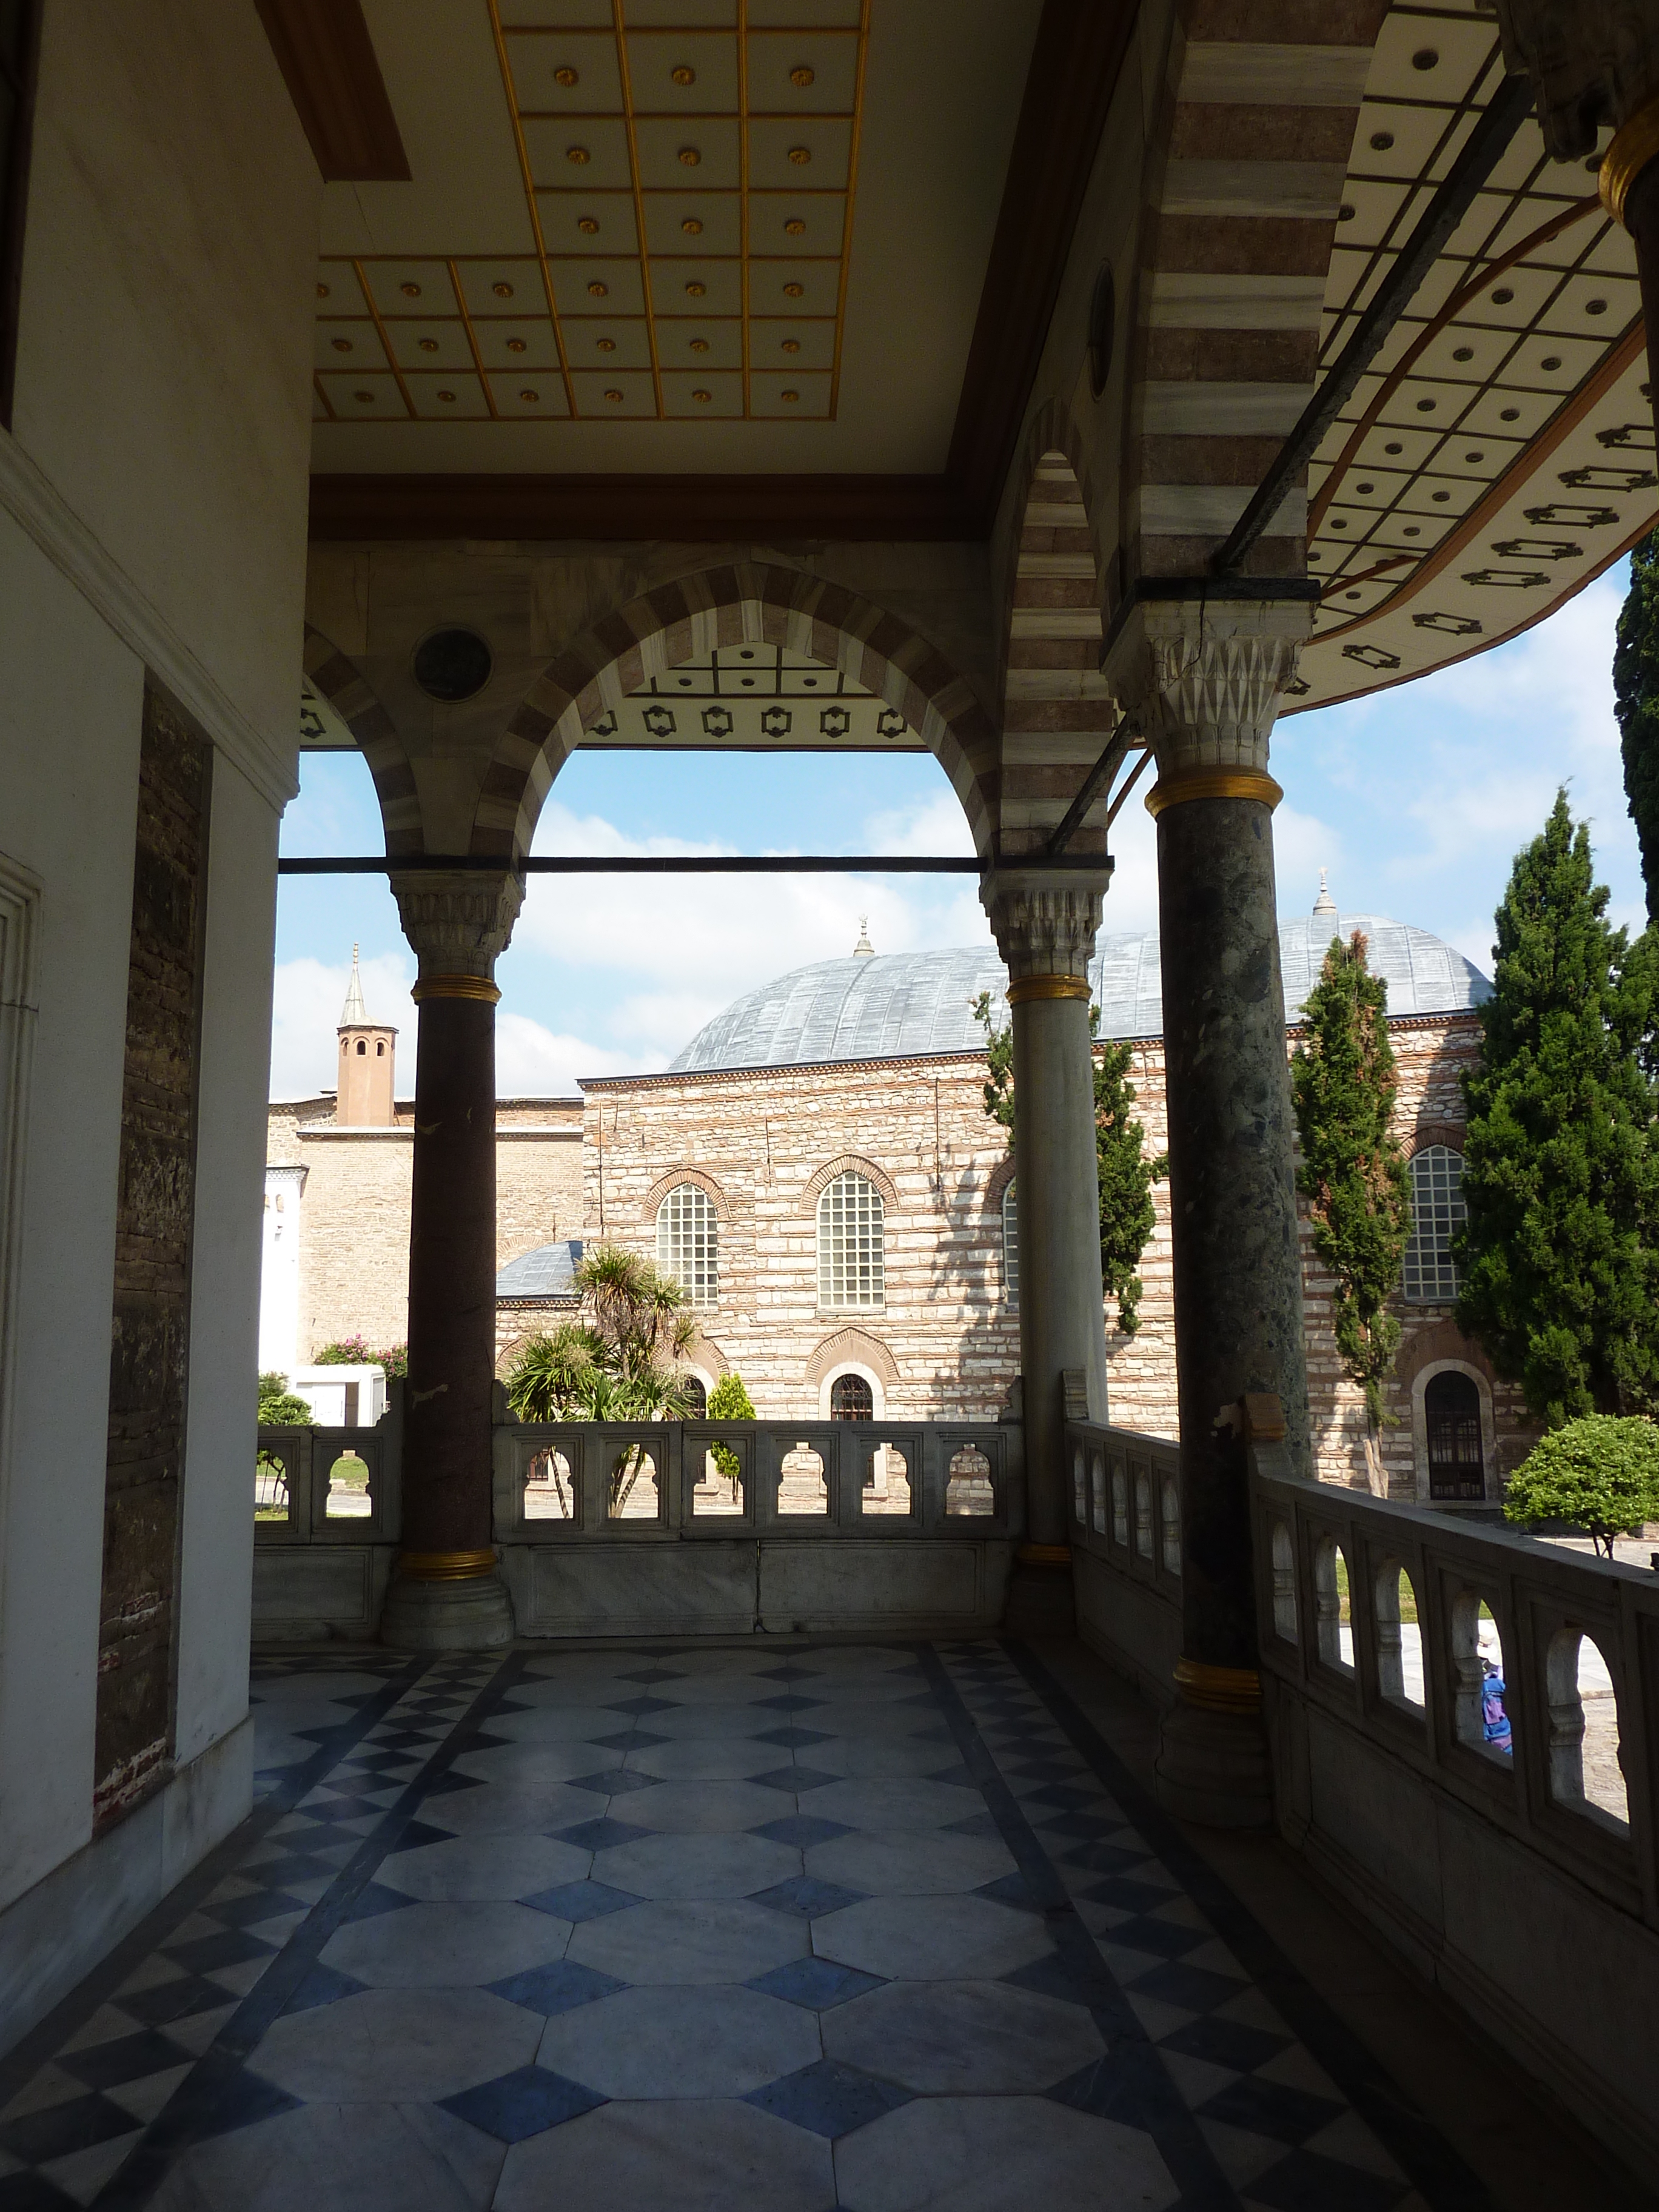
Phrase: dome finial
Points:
(353, 1014)
(1324, 903)
(864, 950)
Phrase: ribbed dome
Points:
(902, 1003)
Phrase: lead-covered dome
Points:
(892, 1005)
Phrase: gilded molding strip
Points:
(1213, 783)
(1218, 1689)
(445, 1566)
(456, 987)
(1635, 143)
(1043, 1555)
(1025, 988)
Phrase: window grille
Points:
(1451, 1409)
(688, 1242)
(696, 1398)
(850, 1242)
(1011, 1245)
(850, 1399)
(1437, 1214)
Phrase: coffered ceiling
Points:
(668, 234)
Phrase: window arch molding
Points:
(851, 1350)
(998, 1182)
(651, 1204)
(852, 1164)
(1482, 1382)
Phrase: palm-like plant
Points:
(619, 1362)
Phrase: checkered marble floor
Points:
(884, 1927)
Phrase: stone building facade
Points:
(873, 1068)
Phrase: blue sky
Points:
(1416, 799)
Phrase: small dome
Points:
(889, 1005)
(548, 1272)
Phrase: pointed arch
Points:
(1057, 711)
(353, 699)
(736, 603)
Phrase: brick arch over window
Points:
(852, 1163)
(329, 673)
(996, 1183)
(737, 603)
(857, 1347)
(1057, 712)
(1452, 1135)
(1243, 184)
(703, 1352)
(1444, 1341)
(705, 1182)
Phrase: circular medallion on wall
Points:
(451, 665)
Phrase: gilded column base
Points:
(1213, 1764)
(429, 1612)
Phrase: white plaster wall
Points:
(279, 1271)
(67, 812)
(216, 1578)
(163, 365)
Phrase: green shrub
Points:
(279, 1408)
(729, 1402)
(356, 1352)
(1601, 1472)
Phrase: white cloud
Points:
(532, 1062)
(306, 1003)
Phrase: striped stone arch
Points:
(1057, 711)
(1243, 183)
(737, 603)
(330, 673)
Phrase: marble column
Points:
(1207, 682)
(447, 1593)
(1045, 930)
(1596, 62)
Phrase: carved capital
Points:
(1206, 680)
(457, 923)
(1044, 925)
(1592, 62)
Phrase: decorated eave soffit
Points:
(1500, 452)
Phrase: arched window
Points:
(363, 1049)
(850, 1399)
(696, 1399)
(379, 1050)
(1437, 1212)
(850, 1241)
(688, 1237)
(1452, 1407)
(1011, 1244)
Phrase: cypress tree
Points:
(1127, 1175)
(1559, 1259)
(1353, 1174)
(1636, 702)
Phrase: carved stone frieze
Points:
(1206, 680)
(1044, 926)
(1592, 62)
(459, 924)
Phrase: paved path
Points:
(698, 1931)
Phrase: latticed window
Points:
(1437, 1214)
(850, 1399)
(688, 1242)
(1011, 1245)
(850, 1256)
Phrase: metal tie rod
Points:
(1509, 106)
(675, 864)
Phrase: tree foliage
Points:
(1559, 1259)
(1636, 702)
(1352, 1174)
(620, 1362)
(279, 1407)
(1126, 1175)
(1599, 1472)
(729, 1402)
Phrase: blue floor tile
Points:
(521, 2104)
(601, 1834)
(801, 1893)
(125, 2059)
(323, 1986)
(830, 2098)
(560, 1987)
(815, 1984)
(580, 1900)
(801, 1830)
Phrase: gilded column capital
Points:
(1592, 63)
(1206, 679)
(1044, 925)
(459, 922)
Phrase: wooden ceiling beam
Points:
(328, 63)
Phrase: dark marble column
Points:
(1208, 682)
(1046, 932)
(447, 1593)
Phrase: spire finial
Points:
(864, 950)
(1324, 903)
(353, 1014)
